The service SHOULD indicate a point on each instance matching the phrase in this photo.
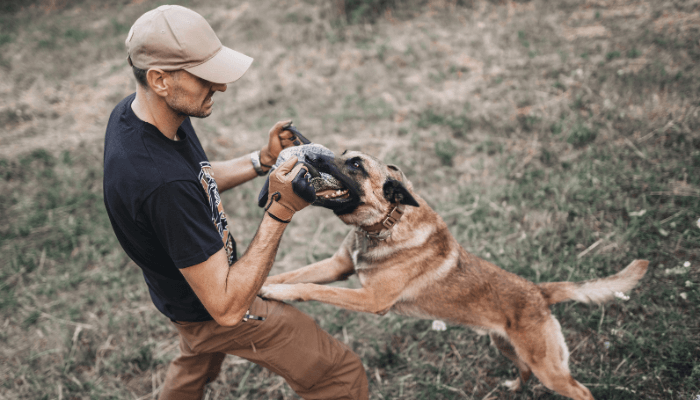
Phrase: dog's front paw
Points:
(279, 292)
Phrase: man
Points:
(162, 197)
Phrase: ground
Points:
(558, 140)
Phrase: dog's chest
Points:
(360, 262)
(365, 260)
(367, 253)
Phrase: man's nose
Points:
(219, 87)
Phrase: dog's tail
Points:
(596, 290)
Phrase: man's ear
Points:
(396, 192)
(156, 78)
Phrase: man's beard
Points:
(179, 104)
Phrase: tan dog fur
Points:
(421, 271)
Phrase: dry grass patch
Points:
(557, 139)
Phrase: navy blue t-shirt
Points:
(164, 206)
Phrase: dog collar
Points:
(388, 222)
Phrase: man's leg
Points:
(291, 344)
(288, 343)
(189, 372)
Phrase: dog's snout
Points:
(319, 159)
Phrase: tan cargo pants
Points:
(288, 343)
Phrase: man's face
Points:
(192, 96)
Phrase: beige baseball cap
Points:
(174, 37)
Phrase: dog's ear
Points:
(396, 192)
(396, 172)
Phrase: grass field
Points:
(559, 140)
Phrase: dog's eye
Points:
(355, 164)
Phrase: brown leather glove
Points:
(278, 141)
(289, 191)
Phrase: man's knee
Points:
(315, 364)
(345, 377)
(350, 373)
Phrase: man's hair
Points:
(140, 75)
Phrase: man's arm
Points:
(239, 170)
(231, 173)
(227, 292)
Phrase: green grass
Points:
(459, 124)
(581, 135)
(601, 170)
(360, 11)
(56, 242)
(446, 151)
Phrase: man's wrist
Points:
(279, 212)
(257, 164)
(266, 158)
(277, 219)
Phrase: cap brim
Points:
(225, 67)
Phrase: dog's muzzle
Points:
(317, 159)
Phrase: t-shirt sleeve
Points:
(180, 216)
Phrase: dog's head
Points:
(362, 189)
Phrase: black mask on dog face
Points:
(334, 190)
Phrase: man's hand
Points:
(289, 191)
(279, 140)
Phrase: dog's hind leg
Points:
(543, 349)
(503, 344)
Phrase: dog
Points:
(408, 263)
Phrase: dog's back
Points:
(447, 282)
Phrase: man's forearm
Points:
(227, 291)
(231, 173)
(247, 275)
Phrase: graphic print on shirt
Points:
(218, 217)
